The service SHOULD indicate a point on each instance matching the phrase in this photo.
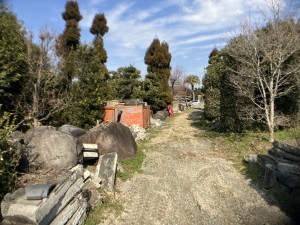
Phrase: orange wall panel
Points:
(139, 115)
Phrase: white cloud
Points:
(185, 24)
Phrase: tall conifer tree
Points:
(158, 59)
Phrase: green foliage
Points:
(72, 11)
(192, 80)
(158, 61)
(212, 103)
(70, 38)
(211, 85)
(13, 51)
(127, 84)
(154, 95)
(89, 90)
(235, 110)
(99, 27)
(9, 157)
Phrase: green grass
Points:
(133, 165)
(235, 146)
(99, 213)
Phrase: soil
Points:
(185, 182)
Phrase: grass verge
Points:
(99, 213)
(234, 147)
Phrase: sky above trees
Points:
(192, 28)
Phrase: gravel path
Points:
(184, 183)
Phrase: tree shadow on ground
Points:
(198, 121)
(278, 195)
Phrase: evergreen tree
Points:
(71, 35)
(92, 87)
(13, 65)
(68, 41)
(211, 85)
(127, 83)
(158, 59)
(99, 25)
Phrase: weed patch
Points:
(99, 213)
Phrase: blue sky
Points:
(191, 27)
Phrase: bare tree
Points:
(42, 94)
(177, 76)
(266, 62)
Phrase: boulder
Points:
(49, 148)
(36, 131)
(162, 115)
(72, 130)
(117, 138)
(90, 137)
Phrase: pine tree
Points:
(158, 59)
(211, 85)
(70, 38)
(99, 25)
(68, 41)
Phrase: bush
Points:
(9, 157)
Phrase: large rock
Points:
(49, 148)
(162, 115)
(90, 137)
(72, 130)
(114, 137)
(36, 131)
(117, 138)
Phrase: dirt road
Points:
(184, 183)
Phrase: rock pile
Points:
(282, 164)
(139, 133)
(64, 205)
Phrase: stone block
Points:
(106, 170)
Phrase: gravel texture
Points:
(183, 182)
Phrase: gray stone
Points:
(250, 158)
(139, 133)
(53, 149)
(72, 130)
(92, 194)
(286, 155)
(67, 213)
(32, 132)
(287, 148)
(106, 170)
(162, 115)
(117, 138)
(15, 206)
(288, 168)
(270, 176)
(90, 155)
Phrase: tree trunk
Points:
(193, 92)
(271, 118)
